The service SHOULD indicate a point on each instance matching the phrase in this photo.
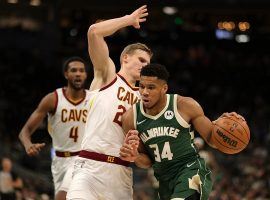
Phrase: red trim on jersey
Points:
(56, 102)
(133, 88)
(72, 102)
(103, 158)
(110, 84)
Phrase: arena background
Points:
(217, 51)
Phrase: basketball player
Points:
(9, 181)
(99, 172)
(163, 122)
(67, 110)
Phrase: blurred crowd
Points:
(221, 75)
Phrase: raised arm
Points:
(104, 68)
(46, 105)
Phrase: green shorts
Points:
(193, 177)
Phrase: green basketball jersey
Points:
(166, 137)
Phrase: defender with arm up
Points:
(99, 172)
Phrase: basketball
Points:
(230, 135)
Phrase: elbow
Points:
(20, 136)
(92, 31)
(24, 133)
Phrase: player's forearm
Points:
(25, 136)
(143, 161)
(209, 139)
(108, 27)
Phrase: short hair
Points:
(129, 49)
(72, 59)
(155, 70)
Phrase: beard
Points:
(76, 86)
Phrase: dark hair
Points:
(156, 70)
(72, 59)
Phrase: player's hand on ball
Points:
(230, 133)
(233, 114)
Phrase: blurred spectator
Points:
(9, 181)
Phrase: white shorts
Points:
(62, 169)
(96, 180)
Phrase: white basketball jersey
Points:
(66, 125)
(103, 131)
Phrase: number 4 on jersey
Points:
(74, 133)
(166, 152)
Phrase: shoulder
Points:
(55, 94)
(51, 97)
(49, 102)
(188, 106)
(187, 101)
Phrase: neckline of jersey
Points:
(154, 117)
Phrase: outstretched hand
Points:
(34, 149)
(129, 150)
(233, 114)
(139, 16)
